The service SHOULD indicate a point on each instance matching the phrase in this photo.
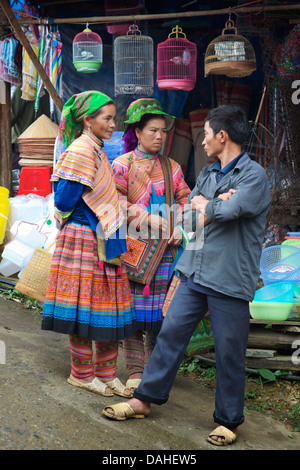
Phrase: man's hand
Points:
(199, 203)
(226, 196)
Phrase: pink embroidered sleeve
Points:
(135, 214)
(181, 191)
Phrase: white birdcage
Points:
(133, 63)
(87, 51)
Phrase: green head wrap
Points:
(75, 109)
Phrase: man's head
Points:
(224, 126)
(230, 119)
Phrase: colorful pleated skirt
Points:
(148, 310)
(83, 299)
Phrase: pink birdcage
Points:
(176, 62)
(120, 8)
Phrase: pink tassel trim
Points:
(101, 265)
(146, 291)
(119, 271)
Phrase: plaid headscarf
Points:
(75, 109)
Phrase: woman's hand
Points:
(158, 225)
(176, 237)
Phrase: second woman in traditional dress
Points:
(139, 178)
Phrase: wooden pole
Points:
(169, 16)
(25, 43)
(5, 132)
(5, 139)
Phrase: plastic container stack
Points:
(32, 225)
(280, 272)
(280, 263)
(273, 302)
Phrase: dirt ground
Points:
(41, 411)
(279, 400)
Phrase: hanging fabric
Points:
(234, 93)
(10, 72)
(55, 65)
(29, 73)
(42, 60)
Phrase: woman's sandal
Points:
(95, 386)
(227, 436)
(132, 384)
(118, 388)
(122, 411)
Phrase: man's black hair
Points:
(231, 119)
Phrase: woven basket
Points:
(33, 281)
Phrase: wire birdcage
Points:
(229, 54)
(133, 63)
(87, 51)
(176, 62)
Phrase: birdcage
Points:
(121, 8)
(229, 54)
(87, 51)
(133, 63)
(176, 62)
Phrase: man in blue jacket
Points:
(219, 269)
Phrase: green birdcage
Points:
(87, 51)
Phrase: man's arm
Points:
(199, 203)
(251, 197)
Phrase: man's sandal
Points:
(227, 436)
(95, 386)
(122, 411)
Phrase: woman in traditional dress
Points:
(88, 294)
(140, 181)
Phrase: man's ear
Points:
(223, 135)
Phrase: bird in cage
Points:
(176, 62)
(87, 51)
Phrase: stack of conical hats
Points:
(36, 144)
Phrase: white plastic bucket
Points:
(18, 253)
(7, 268)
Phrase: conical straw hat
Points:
(42, 127)
(38, 162)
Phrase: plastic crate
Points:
(35, 180)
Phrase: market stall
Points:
(190, 60)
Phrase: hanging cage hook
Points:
(177, 30)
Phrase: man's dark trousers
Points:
(229, 318)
